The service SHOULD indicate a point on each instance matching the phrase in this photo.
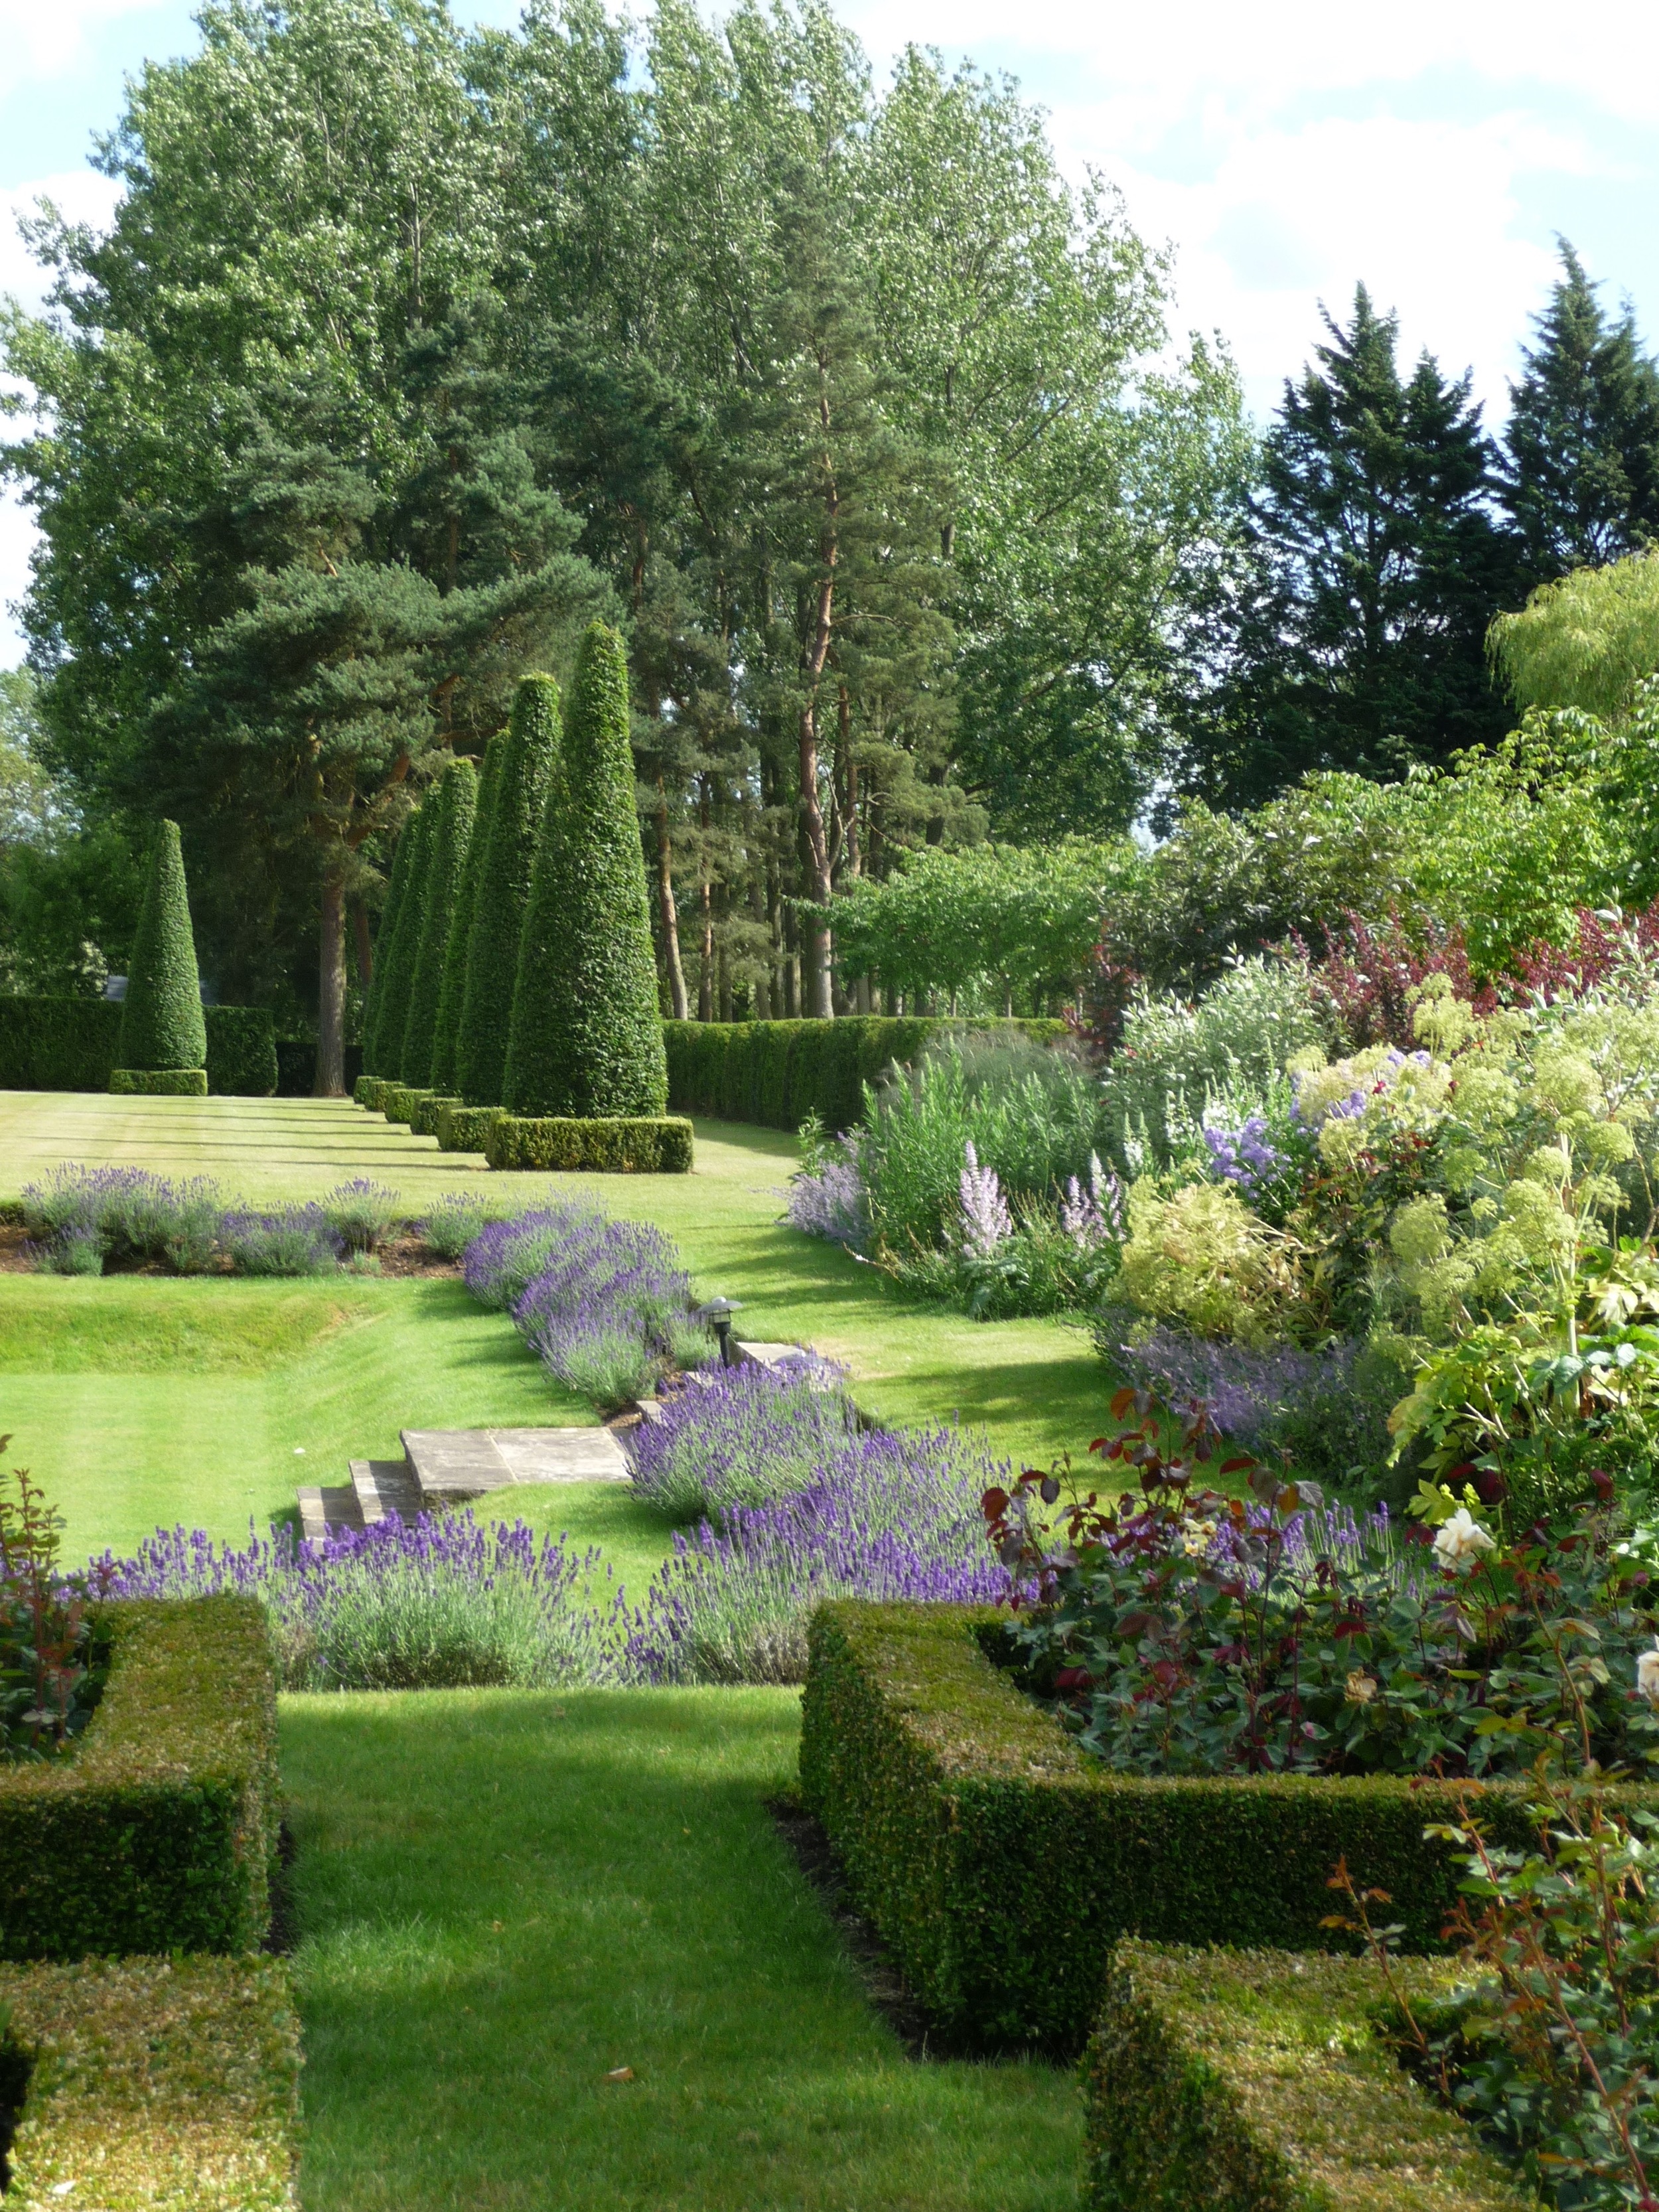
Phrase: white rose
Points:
(1460, 1541)
(1647, 1673)
(1362, 1688)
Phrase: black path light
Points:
(719, 1311)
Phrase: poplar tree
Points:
(161, 1022)
(457, 803)
(587, 1035)
(530, 749)
(452, 987)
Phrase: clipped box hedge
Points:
(399, 1099)
(999, 1863)
(465, 1129)
(779, 1073)
(159, 1834)
(158, 1082)
(1237, 2080)
(72, 1044)
(369, 1092)
(641, 1144)
(153, 2085)
(423, 1120)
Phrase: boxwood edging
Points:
(158, 1083)
(617, 1144)
(465, 1129)
(160, 1833)
(1237, 2080)
(168, 2083)
(999, 1863)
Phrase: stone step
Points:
(328, 1511)
(384, 1486)
(453, 1466)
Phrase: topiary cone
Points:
(586, 1036)
(161, 1021)
(447, 1037)
(391, 1017)
(457, 803)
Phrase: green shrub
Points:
(369, 1093)
(999, 1863)
(158, 1082)
(158, 1834)
(161, 1024)
(1237, 2080)
(452, 990)
(175, 2082)
(423, 1118)
(658, 1144)
(57, 1044)
(492, 952)
(384, 936)
(587, 1032)
(242, 1052)
(395, 967)
(399, 1100)
(464, 1129)
(456, 802)
(782, 1074)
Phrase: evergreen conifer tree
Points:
(396, 890)
(1582, 479)
(452, 989)
(456, 804)
(587, 1034)
(398, 980)
(161, 1022)
(492, 954)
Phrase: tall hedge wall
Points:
(778, 1072)
(70, 1044)
(533, 738)
(161, 1024)
(999, 1863)
(457, 803)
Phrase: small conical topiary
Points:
(161, 1022)
(587, 1028)
(398, 982)
(447, 1035)
(492, 954)
(397, 889)
(457, 802)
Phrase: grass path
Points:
(505, 1896)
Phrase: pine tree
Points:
(396, 890)
(1582, 479)
(452, 990)
(492, 953)
(161, 1022)
(586, 1030)
(399, 979)
(457, 803)
(1372, 566)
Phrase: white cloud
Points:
(41, 41)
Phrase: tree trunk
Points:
(331, 992)
(815, 937)
(669, 912)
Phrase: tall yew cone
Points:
(161, 1022)
(457, 803)
(399, 979)
(492, 954)
(447, 1035)
(586, 1030)
(397, 889)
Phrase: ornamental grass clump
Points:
(435, 1603)
(744, 1435)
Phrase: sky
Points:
(1283, 149)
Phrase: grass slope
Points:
(504, 1897)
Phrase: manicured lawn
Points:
(503, 1897)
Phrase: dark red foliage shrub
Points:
(1106, 997)
(1553, 971)
(1367, 976)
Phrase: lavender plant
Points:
(827, 1196)
(745, 1435)
(361, 1212)
(453, 1224)
(503, 1255)
(294, 1240)
(133, 1215)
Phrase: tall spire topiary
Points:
(396, 889)
(446, 1035)
(586, 1035)
(161, 1022)
(393, 1019)
(492, 954)
(457, 803)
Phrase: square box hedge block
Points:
(369, 1092)
(153, 2085)
(158, 1083)
(424, 1118)
(465, 1129)
(399, 1099)
(1237, 2080)
(160, 1832)
(999, 1863)
(566, 1144)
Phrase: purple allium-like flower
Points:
(986, 1220)
(1093, 1217)
(1244, 1156)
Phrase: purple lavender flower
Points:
(741, 1437)
(832, 1202)
(295, 1240)
(986, 1220)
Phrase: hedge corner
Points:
(1237, 2080)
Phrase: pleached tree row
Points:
(514, 965)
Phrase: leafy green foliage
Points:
(589, 1143)
(586, 1033)
(383, 1050)
(452, 989)
(530, 752)
(455, 802)
(396, 890)
(161, 1024)
(1590, 642)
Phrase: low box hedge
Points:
(423, 1122)
(465, 1129)
(399, 1099)
(153, 2085)
(1239, 2081)
(158, 1082)
(641, 1145)
(779, 1073)
(369, 1092)
(159, 1834)
(72, 1044)
(999, 1863)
